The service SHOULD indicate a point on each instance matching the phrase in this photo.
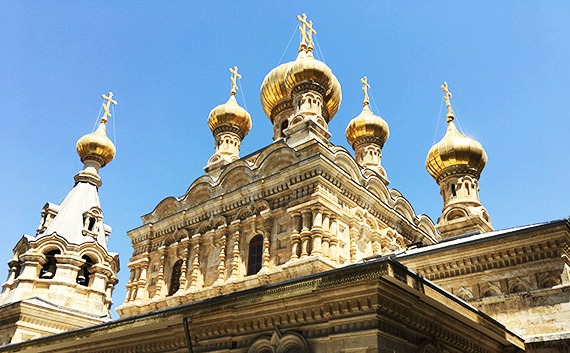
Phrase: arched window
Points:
(83, 276)
(255, 252)
(49, 268)
(175, 279)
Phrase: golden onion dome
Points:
(455, 150)
(273, 88)
(230, 113)
(97, 144)
(367, 124)
(307, 68)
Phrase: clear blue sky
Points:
(506, 62)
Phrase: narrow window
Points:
(91, 223)
(284, 125)
(255, 253)
(175, 279)
(453, 193)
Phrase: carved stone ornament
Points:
(290, 342)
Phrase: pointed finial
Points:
(307, 32)
(106, 107)
(448, 95)
(234, 77)
(365, 88)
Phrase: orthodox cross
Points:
(233, 78)
(447, 96)
(106, 107)
(310, 32)
(303, 20)
(365, 88)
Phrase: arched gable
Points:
(235, 178)
(51, 242)
(426, 225)
(94, 251)
(379, 189)
(276, 161)
(165, 208)
(403, 207)
(197, 194)
(345, 161)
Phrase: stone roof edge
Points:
(480, 238)
(304, 285)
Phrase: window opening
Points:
(175, 279)
(91, 223)
(83, 276)
(284, 125)
(453, 193)
(255, 254)
(49, 268)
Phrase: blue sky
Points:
(506, 62)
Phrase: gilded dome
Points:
(307, 68)
(367, 124)
(230, 113)
(273, 88)
(98, 144)
(454, 150)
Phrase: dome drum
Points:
(368, 140)
(280, 106)
(458, 169)
(229, 127)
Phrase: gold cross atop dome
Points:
(447, 102)
(365, 88)
(307, 32)
(234, 77)
(106, 107)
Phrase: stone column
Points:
(266, 246)
(184, 268)
(195, 261)
(353, 234)
(141, 282)
(160, 276)
(305, 233)
(317, 231)
(295, 237)
(235, 252)
(326, 234)
(222, 266)
(333, 249)
(130, 284)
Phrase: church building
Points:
(301, 246)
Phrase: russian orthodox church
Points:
(303, 247)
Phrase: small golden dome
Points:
(97, 144)
(454, 150)
(367, 124)
(273, 88)
(230, 113)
